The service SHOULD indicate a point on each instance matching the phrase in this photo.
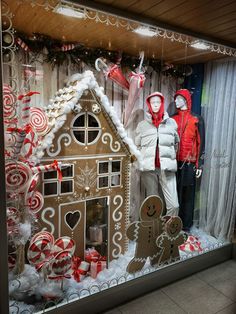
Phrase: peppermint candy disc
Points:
(61, 263)
(38, 120)
(43, 235)
(64, 244)
(9, 100)
(36, 202)
(17, 176)
(39, 251)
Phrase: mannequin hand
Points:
(198, 173)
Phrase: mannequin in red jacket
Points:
(189, 155)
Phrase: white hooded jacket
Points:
(167, 137)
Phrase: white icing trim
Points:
(116, 146)
(118, 247)
(117, 208)
(67, 142)
(52, 210)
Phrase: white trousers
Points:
(167, 180)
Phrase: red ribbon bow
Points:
(58, 169)
(140, 78)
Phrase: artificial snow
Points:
(31, 283)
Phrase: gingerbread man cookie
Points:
(145, 232)
(170, 240)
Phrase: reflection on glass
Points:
(115, 180)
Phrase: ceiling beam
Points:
(150, 21)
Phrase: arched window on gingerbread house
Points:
(86, 128)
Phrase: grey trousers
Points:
(167, 180)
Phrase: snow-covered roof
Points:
(67, 100)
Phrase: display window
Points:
(117, 165)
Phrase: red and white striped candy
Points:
(29, 144)
(36, 202)
(39, 251)
(17, 175)
(22, 44)
(38, 120)
(9, 100)
(61, 263)
(43, 235)
(31, 189)
(13, 219)
(67, 47)
(45, 168)
(64, 244)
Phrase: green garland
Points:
(53, 54)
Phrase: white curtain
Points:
(218, 185)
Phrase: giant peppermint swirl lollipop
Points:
(17, 176)
(9, 100)
(38, 120)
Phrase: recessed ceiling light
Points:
(145, 31)
(199, 45)
(69, 11)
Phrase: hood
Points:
(156, 117)
(186, 94)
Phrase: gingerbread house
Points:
(89, 199)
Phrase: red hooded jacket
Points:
(156, 119)
(191, 132)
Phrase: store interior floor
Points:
(210, 291)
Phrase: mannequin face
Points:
(155, 102)
(181, 103)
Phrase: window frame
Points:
(86, 129)
(56, 180)
(109, 174)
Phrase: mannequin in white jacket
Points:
(157, 138)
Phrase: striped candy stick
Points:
(25, 111)
(51, 167)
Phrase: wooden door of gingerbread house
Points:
(86, 222)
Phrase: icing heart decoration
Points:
(72, 219)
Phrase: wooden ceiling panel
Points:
(190, 15)
(100, 35)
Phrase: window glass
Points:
(50, 175)
(103, 167)
(115, 166)
(50, 188)
(66, 186)
(103, 182)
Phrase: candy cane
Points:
(22, 44)
(30, 142)
(67, 47)
(26, 98)
(51, 167)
